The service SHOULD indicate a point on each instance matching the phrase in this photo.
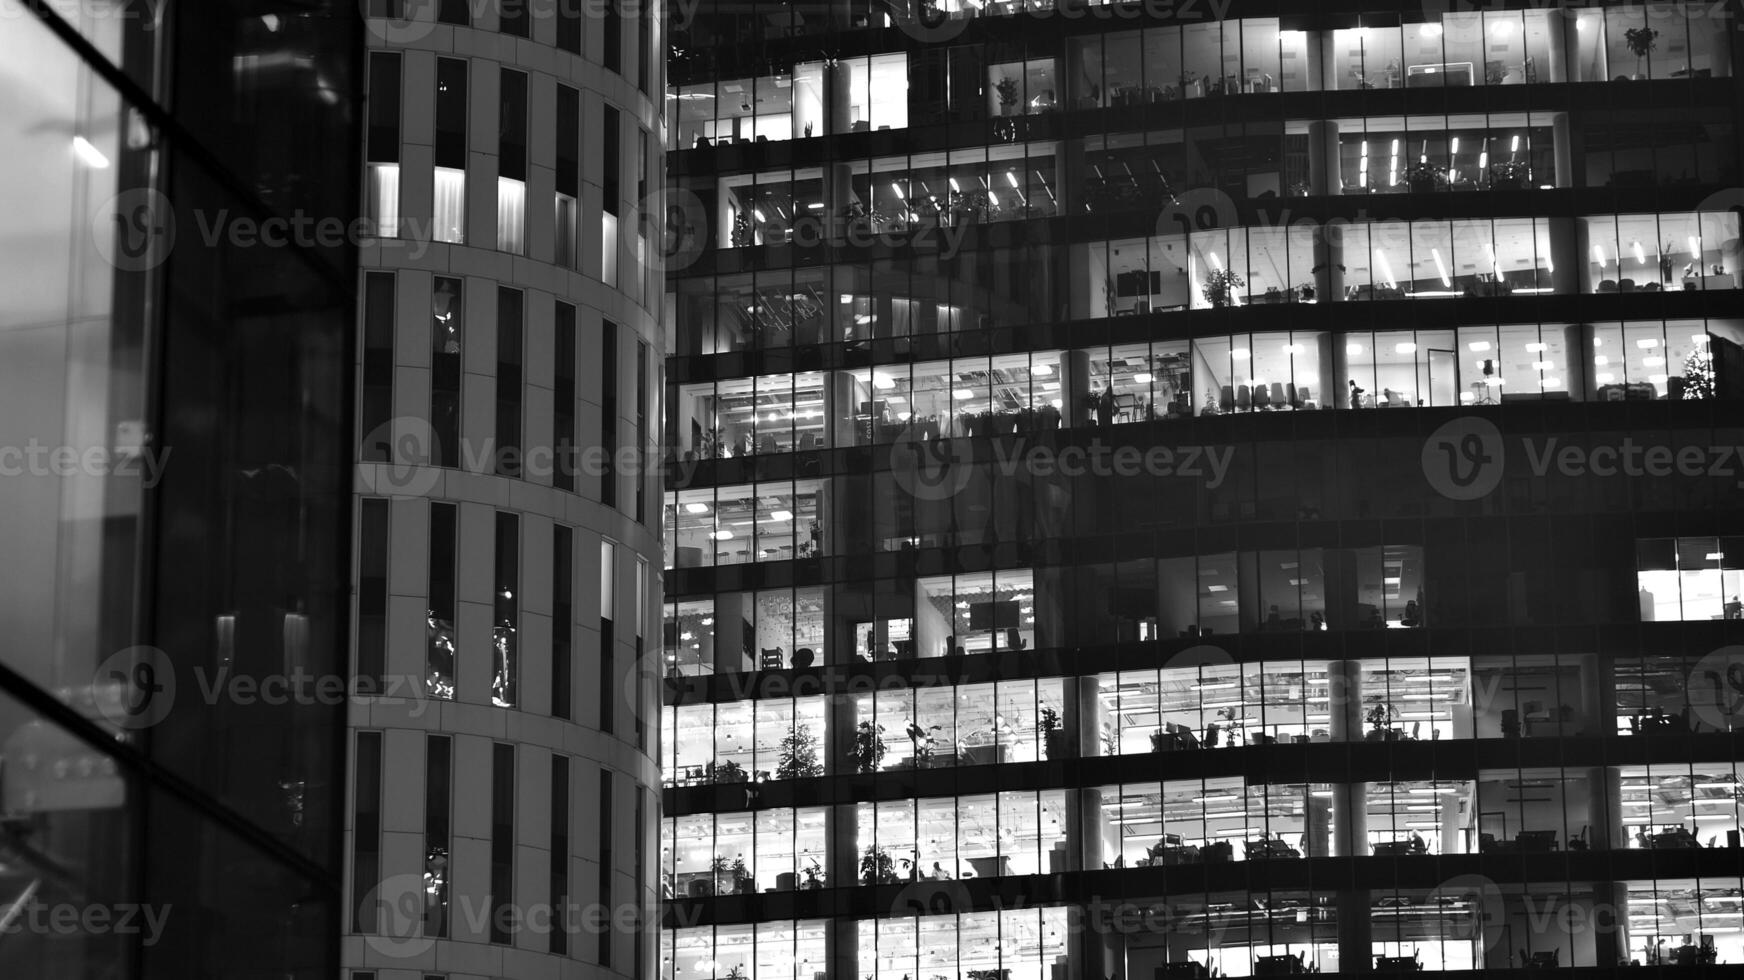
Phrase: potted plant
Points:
(1422, 178)
(799, 755)
(1698, 375)
(814, 876)
(736, 972)
(1053, 735)
(922, 740)
(1220, 287)
(719, 870)
(869, 747)
(743, 883)
(1508, 176)
(1006, 89)
(730, 772)
(1640, 41)
(1299, 188)
(876, 867)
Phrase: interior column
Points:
(1074, 386)
(1605, 809)
(1329, 265)
(1324, 169)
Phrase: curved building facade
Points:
(503, 799)
(1166, 491)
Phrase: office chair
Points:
(1262, 399)
(1243, 399)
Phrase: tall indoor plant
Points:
(1640, 41)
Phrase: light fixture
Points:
(91, 156)
(1143, 379)
(962, 395)
(1695, 247)
(1216, 263)
(1647, 343)
(1514, 146)
(896, 189)
(883, 382)
(1653, 361)
(954, 188)
(1479, 346)
(1552, 382)
(1605, 378)
(781, 515)
(1431, 30)
(1042, 370)
(1534, 347)
(1353, 349)
(1011, 178)
(1542, 366)
(722, 535)
(1601, 360)
(1296, 349)
(1657, 379)
(1239, 354)
(1640, 253)
(1405, 347)
(1441, 267)
(1502, 28)
(696, 508)
(758, 214)
(1701, 339)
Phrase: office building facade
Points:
(1155, 490)
(174, 444)
(503, 779)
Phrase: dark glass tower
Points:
(1162, 489)
(174, 440)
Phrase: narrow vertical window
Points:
(366, 832)
(376, 401)
(608, 642)
(563, 398)
(448, 213)
(382, 145)
(605, 863)
(569, 26)
(502, 845)
(515, 19)
(512, 163)
(447, 333)
(568, 174)
(641, 864)
(609, 414)
(438, 812)
(644, 678)
(612, 166)
(510, 339)
(372, 595)
(562, 617)
(505, 628)
(644, 45)
(559, 852)
(642, 448)
(439, 661)
(612, 26)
